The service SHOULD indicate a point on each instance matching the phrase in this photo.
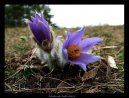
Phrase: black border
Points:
(66, 1)
(126, 48)
(58, 2)
(2, 50)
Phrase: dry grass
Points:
(18, 52)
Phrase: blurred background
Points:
(66, 15)
(15, 14)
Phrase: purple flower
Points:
(75, 50)
(39, 27)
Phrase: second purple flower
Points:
(75, 50)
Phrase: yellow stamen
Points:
(73, 51)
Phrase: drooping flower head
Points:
(48, 46)
(75, 50)
(41, 30)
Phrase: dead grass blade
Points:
(93, 90)
(109, 47)
(65, 85)
(59, 80)
(13, 75)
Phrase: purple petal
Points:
(40, 31)
(42, 28)
(39, 27)
(65, 54)
(32, 18)
(82, 65)
(65, 44)
(34, 30)
(87, 58)
(88, 43)
(39, 16)
(68, 34)
(77, 36)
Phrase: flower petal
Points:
(32, 19)
(39, 16)
(87, 58)
(82, 65)
(65, 45)
(77, 36)
(34, 30)
(39, 27)
(88, 43)
(65, 54)
(42, 28)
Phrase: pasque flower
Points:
(51, 50)
(48, 47)
(42, 31)
(39, 27)
(75, 50)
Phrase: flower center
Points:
(73, 51)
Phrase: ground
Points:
(100, 78)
